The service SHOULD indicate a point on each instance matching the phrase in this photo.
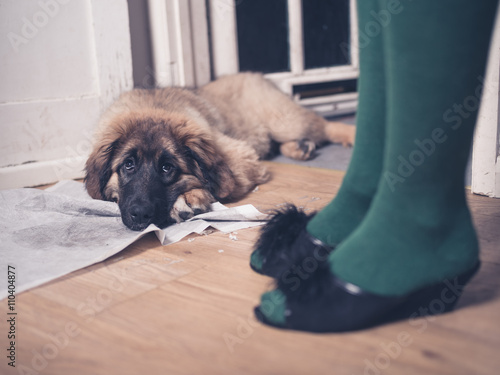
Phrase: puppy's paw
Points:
(299, 150)
(338, 132)
(348, 136)
(191, 203)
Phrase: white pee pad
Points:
(48, 234)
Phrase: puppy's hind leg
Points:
(302, 149)
(337, 132)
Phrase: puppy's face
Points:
(159, 170)
(145, 182)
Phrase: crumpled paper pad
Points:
(49, 233)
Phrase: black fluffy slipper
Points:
(284, 243)
(324, 303)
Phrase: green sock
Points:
(418, 229)
(346, 211)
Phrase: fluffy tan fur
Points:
(229, 124)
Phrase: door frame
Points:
(486, 146)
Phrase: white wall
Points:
(63, 62)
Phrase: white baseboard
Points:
(42, 173)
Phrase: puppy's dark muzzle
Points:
(139, 215)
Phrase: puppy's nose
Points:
(142, 214)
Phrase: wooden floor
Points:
(187, 309)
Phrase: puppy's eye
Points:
(166, 168)
(129, 165)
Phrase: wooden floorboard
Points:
(187, 309)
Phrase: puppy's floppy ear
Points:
(98, 169)
(211, 166)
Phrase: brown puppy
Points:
(166, 154)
